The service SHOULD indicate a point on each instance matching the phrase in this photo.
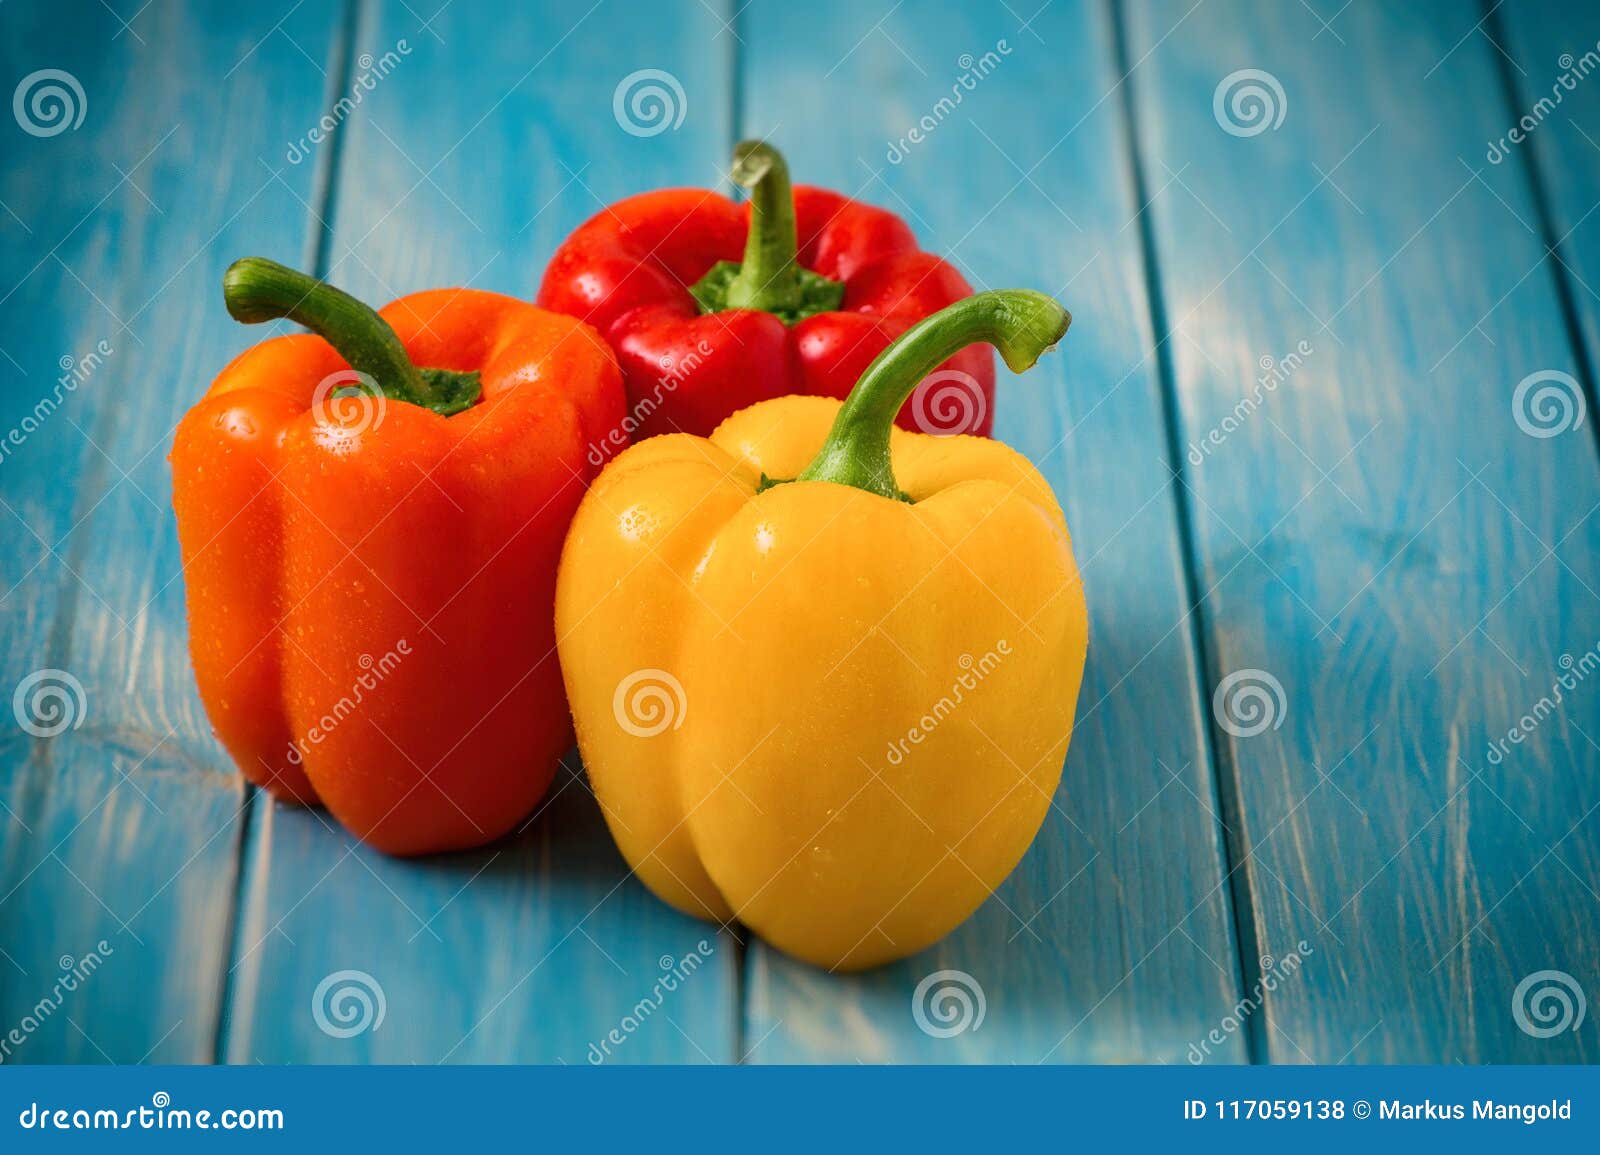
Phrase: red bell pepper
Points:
(824, 285)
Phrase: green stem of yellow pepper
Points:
(1020, 323)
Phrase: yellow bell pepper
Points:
(831, 707)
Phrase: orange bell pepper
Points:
(370, 550)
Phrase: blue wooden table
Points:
(1324, 430)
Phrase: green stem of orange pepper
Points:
(256, 290)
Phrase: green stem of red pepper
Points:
(256, 289)
(770, 278)
(1020, 323)
(767, 278)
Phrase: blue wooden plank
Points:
(1400, 571)
(1113, 941)
(1552, 63)
(490, 135)
(119, 835)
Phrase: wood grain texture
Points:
(1376, 532)
(1113, 941)
(1552, 63)
(124, 830)
(491, 137)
